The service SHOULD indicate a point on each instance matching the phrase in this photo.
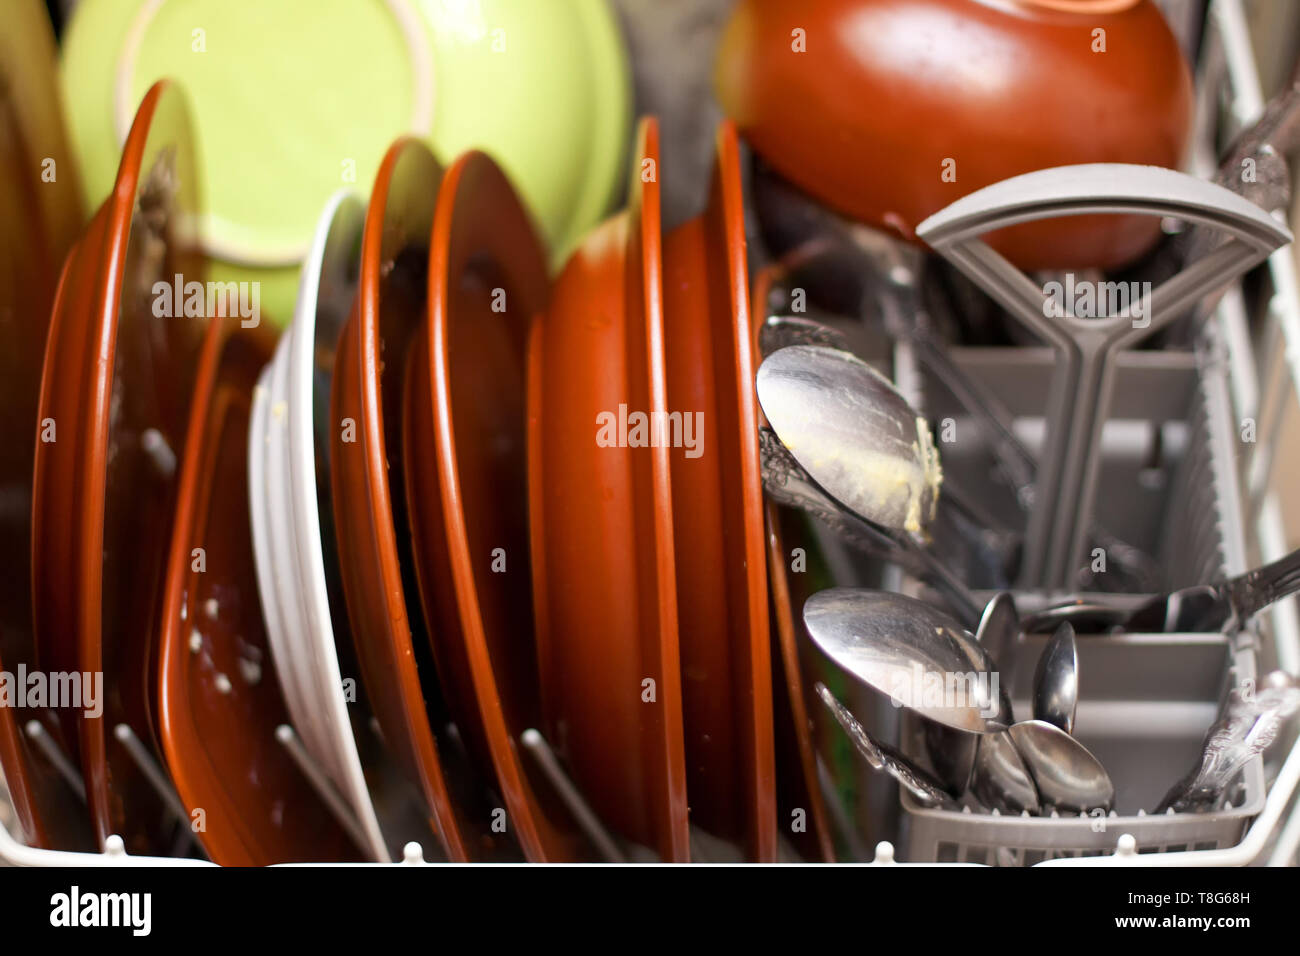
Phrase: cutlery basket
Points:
(1167, 480)
(1169, 485)
(1146, 701)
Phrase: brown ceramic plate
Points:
(798, 785)
(40, 216)
(718, 519)
(466, 480)
(377, 564)
(115, 391)
(600, 519)
(219, 704)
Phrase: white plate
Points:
(286, 518)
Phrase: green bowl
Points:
(294, 100)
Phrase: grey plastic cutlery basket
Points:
(1146, 700)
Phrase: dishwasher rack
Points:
(1240, 379)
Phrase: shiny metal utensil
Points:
(782, 331)
(859, 441)
(1080, 404)
(863, 271)
(852, 431)
(999, 626)
(1065, 772)
(926, 789)
(1248, 724)
(911, 652)
(1001, 779)
(990, 546)
(955, 755)
(786, 483)
(1056, 680)
(1262, 150)
(1256, 166)
(1086, 617)
(1226, 606)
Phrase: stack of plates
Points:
(468, 557)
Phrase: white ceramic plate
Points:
(286, 516)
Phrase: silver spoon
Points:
(999, 626)
(1087, 617)
(1065, 772)
(860, 441)
(1001, 779)
(878, 276)
(911, 652)
(986, 542)
(1246, 727)
(1056, 680)
(1226, 606)
(782, 331)
(786, 483)
(927, 790)
(852, 431)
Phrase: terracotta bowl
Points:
(600, 520)
(116, 388)
(888, 110)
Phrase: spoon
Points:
(1056, 680)
(1065, 772)
(999, 626)
(927, 790)
(782, 331)
(853, 433)
(786, 483)
(1226, 606)
(911, 652)
(859, 440)
(866, 272)
(990, 547)
(1246, 727)
(1087, 617)
(1001, 779)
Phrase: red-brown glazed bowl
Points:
(888, 110)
